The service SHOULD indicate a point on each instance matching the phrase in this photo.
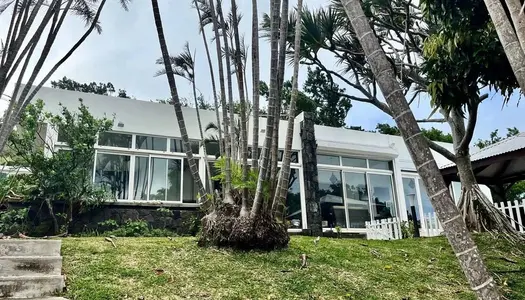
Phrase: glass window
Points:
(250, 152)
(176, 145)
(294, 156)
(174, 179)
(328, 160)
(216, 183)
(456, 188)
(151, 143)
(212, 148)
(158, 172)
(380, 164)
(331, 198)
(293, 200)
(357, 202)
(61, 138)
(425, 200)
(113, 139)
(140, 187)
(112, 174)
(409, 187)
(354, 162)
(189, 191)
(382, 196)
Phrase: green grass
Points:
(338, 269)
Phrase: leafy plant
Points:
(14, 221)
(407, 229)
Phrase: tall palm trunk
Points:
(453, 225)
(282, 186)
(255, 84)
(508, 40)
(227, 141)
(274, 40)
(176, 101)
(514, 7)
(244, 133)
(283, 30)
(228, 78)
(212, 75)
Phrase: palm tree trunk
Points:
(244, 133)
(227, 198)
(508, 40)
(274, 40)
(518, 20)
(279, 202)
(229, 79)
(176, 101)
(255, 84)
(278, 100)
(212, 76)
(455, 229)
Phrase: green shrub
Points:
(14, 221)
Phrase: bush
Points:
(129, 228)
(14, 221)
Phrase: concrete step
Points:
(19, 247)
(27, 287)
(30, 265)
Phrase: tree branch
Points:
(441, 150)
(469, 131)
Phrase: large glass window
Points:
(425, 200)
(382, 196)
(328, 160)
(174, 179)
(409, 187)
(354, 162)
(212, 148)
(151, 143)
(176, 145)
(112, 174)
(158, 173)
(293, 199)
(113, 139)
(380, 164)
(189, 191)
(331, 198)
(140, 186)
(356, 200)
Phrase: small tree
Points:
(63, 176)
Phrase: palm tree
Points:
(210, 65)
(282, 186)
(508, 39)
(18, 50)
(454, 226)
(255, 84)
(184, 66)
(227, 198)
(176, 101)
(240, 79)
(518, 20)
(272, 102)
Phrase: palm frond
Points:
(211, 126)
(4, 5)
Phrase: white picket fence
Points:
(515, 212)
(390, 229)
(385, 229)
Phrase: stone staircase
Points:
(30, 269)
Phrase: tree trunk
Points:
(508, 40)
(258, 199)
(518, 20)
(212, 76)
(255, 84)
(279, 202)
(244, 132)
(227, 197)
(176, 101)
(454, 227)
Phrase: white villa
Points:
(362, 176)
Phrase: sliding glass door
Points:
(382, 196)
(356, 199)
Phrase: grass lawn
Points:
(157, 268)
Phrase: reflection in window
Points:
(213, 149)
(357, 203)
(113, 139)
(328, 160)
(456, 188)
(409, 186)
(354, 162)
(294, 156)
(158, 171)
(380, 164)
(293, 199)
(177, 145)
(174, 179)
(331, 199)
(112, 174)
(425, 200)
(140, 187)
(151, 143)
(382, 196)
(189, 191)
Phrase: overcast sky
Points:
(125, 55)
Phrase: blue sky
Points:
(125, 55)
